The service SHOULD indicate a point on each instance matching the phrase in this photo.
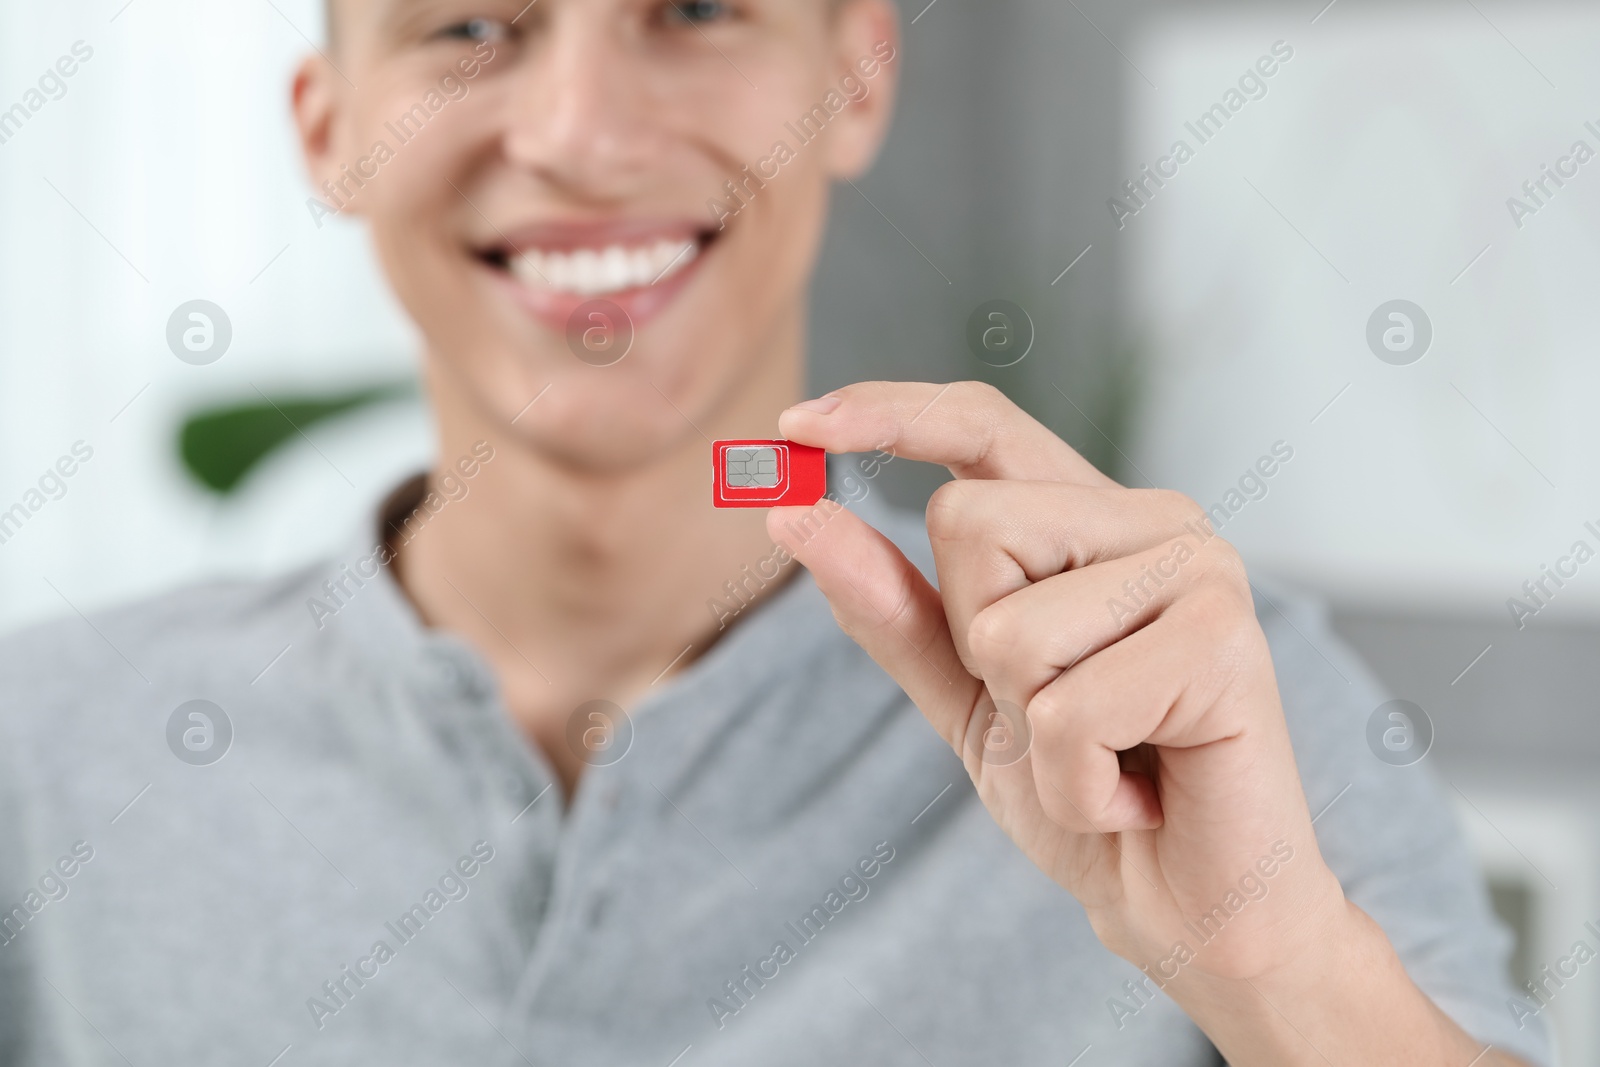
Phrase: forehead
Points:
(335, 9)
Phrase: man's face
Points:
(518, 161)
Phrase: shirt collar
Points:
(380, 619)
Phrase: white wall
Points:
(1391, 143)
(174, 144)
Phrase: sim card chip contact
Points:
(751, 467)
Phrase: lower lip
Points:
(555, 308)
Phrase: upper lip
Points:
(569, 235)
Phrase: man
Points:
(438, 837)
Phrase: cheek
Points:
(782, 228)
(407, 171)
(414, 212)
(740, 126)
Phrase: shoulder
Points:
(1308, 653)
(90, 699)
(152, 649)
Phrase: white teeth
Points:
(592, 271)
(615, 268)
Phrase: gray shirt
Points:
(774, 860)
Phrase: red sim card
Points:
(766, 474)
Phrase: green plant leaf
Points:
(220, 445)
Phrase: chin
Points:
(606, 420)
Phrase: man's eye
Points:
(476, 30)
(693, 12)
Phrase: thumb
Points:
(884, 604)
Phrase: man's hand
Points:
(1092, 653)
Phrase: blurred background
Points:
(1361, 260)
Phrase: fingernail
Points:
(822, 405)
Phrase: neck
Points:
(578, 584)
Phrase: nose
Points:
(579, 115)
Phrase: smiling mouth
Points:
(597, 269)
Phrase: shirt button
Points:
(458, 676)
(471, 683)
(445, 670)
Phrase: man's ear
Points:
(317, 98)
(866, 41)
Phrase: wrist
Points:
(1344, 996)
(1333, 936)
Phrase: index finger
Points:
(970, 427)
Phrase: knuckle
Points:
(902, 612)
(1047, 712)
(1227, 566)
(1215, 608)
(948, 511)
(992, 633)
(1062, 713)
(1174, 516)
(979, 393)
(1175, 503)
(1234, 637)
(1180, 512)
(989, 407)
